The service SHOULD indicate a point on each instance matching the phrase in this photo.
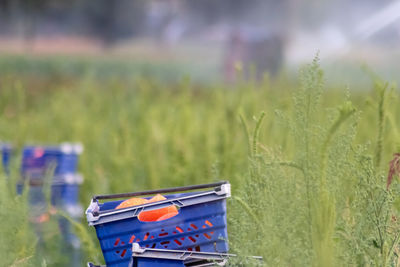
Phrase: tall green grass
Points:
(307, 163)
(327, 204)
(18, 241)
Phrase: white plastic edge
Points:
(69, 148)
(225, 190)
(89, 211)
(137, 249)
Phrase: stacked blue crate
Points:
(60, 161)
(199, 226)
(149, 257)
(6, 153)
(37, 159)
(37, 163)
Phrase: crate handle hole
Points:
(146, 236)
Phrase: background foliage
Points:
(308, 171)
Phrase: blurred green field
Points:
(307, 164)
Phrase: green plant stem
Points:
(246, 132)
(256, 133)
(381, 122)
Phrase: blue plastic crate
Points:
(199, 226)
(64, 190)
(37, 159)
(145, 257)
(6, 153)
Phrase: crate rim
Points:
(138, 251)
(95, 216)
(61, 179)
(68, 148)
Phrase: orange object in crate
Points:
(135, 201)
(150, 215)
(155, 215)
(167, 216)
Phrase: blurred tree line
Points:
(104, 19)
(112, 20)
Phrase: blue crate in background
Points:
(6, 154)
(64, 185)
(64, 190)
(37, 159)
(200, 225)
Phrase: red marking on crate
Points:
(190, 249)
(147, 245)
(194, 226)
(116, 242)
(174, 232)
(207, 236)
(165, 244)
(137, 240)
(122, 243)
(192, 239)
(178, 242)
(123, 253)
(182, 238)
(197, 235)
(204, 226)
(208, 223)
(197, 248)
(152, 237)
(189, 229)
(179, 229)
(163, 234)
(146, 236)
(117, 251)
(38, 152)
(132, 238)
(212, 233)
